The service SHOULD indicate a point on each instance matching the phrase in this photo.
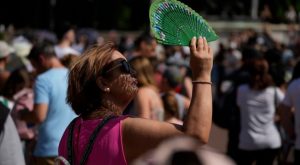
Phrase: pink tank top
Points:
(108, 146)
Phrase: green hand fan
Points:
(174, 23)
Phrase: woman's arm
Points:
(140, 135)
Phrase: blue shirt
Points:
(51, 89)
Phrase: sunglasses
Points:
(117, 67)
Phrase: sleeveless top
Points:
(156, 106)
(108, 146)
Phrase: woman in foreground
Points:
(101, 84)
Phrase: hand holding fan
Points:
(174, 23)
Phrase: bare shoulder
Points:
(146, 92)
(145, 89)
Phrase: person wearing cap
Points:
(5, 51)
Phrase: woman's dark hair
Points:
(170, 105)
(259, 74)
(83, 93)
(19, 79)
(276, 68)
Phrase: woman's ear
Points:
(103, 84)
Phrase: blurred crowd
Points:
(255, 90)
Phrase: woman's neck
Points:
(105, 110)
(98, 114)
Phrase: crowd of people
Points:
(76, 96)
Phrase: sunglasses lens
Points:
(126, 67)
(121, 67)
